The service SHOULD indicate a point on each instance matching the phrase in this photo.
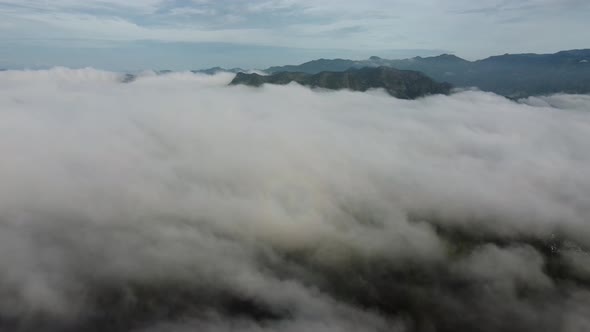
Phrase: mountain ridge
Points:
(215, 70)
(403, 84)
(511, 75)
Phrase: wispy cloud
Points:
(330, 24)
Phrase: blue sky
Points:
(189, 34)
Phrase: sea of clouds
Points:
(178, 203)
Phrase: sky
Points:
(194, 34)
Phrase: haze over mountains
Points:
(215, 70)
(511, 75)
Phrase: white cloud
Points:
(282, 203)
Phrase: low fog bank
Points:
(178, 203)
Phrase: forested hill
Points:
(404, 84)
(512, 75)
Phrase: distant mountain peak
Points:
(447, 56)
(215, 70)
(443, 58)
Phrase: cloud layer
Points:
(176, 203)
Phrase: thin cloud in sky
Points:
(470, 29)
